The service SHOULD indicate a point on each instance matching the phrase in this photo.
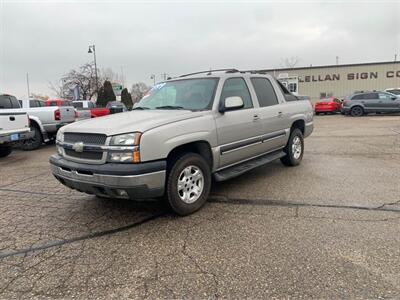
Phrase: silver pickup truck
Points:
(184, 132)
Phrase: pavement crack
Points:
(93, 235)
(269, 202)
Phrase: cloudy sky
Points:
(47, 38)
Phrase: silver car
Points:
(371, 102)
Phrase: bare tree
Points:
(39, 96)
(138, 90)
(84, 78)
(289, 62)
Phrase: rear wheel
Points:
(294, 149)
(33, 143)
(357, 111)
(189, 183)
(5, 151)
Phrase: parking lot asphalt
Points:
(328, 228)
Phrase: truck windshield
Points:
(190, 94)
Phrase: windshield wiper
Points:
(140, 108)
(169, 107)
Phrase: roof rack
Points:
(210, 71)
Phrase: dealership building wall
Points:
(341, 80)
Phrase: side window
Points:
(32, 103)
(91, 105)
(14, 102)
(264, 91)
(53, 103)
(358, 97)
(5, 102)
(237, 87)
(370, 96)
(288, 95)
(383, 96)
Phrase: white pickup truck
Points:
(14, 124)
(45, 121)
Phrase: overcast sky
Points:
(47, 39)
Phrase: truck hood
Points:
(137, 120)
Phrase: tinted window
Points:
(288, 95)
(358, 97)
(265, 92)
(237, 87)
(5, 102)
(14, 102)
(91, 105)
(33, 103)
(78, 104)
(371, 96)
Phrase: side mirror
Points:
(231, 103)
(393, 98)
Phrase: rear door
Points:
(371, 102)
(271, 114)
(238, 130)
(12, 118)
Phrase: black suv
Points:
(371, 102)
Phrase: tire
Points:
(33, 143)
(294, 149)
(357, 111)
(183, 200)
(5, 151)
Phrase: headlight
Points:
(60, 136)
(128, 139)
(122, 155)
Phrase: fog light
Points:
(121, 193)
(121, 157)
(59, 150)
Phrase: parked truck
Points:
(14, 124)
(45, 121)
(186, 131)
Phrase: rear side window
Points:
(264, 91)
(14, 102)
(5, 102)
(78, 104)
(288, 95)
(33, 103)
(357, 97)
(237, 87)
(371, 96)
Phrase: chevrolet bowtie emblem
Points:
(78, 147)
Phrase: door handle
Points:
(12, 118)
(256, 117)
(280, 114)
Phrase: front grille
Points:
(84, 155)
(86, 138)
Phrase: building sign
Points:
(348, 76)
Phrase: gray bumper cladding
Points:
(128, 181)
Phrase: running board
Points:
(241, 168)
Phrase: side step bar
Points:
(241, 168)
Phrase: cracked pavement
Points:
(326, 229)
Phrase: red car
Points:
(328, 105)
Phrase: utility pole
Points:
(337, 60)
(395, 57)
(27, 84)
(92, 49)
(153, 76)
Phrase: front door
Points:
(238, 130)
(388, 104)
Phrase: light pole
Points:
(92, 49)
(154, 79)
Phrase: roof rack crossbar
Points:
(210, 71)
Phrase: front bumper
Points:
(128, 181)
(25, 135)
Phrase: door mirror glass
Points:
(234, 102)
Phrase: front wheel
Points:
(5, 151)
(189, 183)
(294, 149)
(357, 111)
